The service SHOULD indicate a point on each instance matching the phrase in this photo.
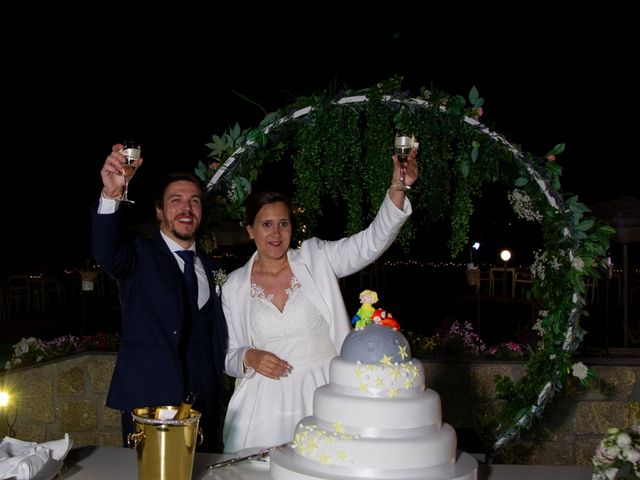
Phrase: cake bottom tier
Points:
(285, 464)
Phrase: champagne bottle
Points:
(184, 410)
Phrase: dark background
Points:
(76, 83)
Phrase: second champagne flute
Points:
(402, 147)
(131, 152)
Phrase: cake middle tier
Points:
(333, 404)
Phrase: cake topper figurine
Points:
(366, 314)
(382, 317)
(362, 318)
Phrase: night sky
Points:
(72, 89)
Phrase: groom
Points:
(170, 345)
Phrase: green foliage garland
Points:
(342, 146)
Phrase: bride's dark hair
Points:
(257, 200)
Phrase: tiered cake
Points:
(375, 419)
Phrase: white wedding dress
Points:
(263, 412)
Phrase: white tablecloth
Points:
(107, 463)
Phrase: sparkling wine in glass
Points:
(131, 152)
(403, 145)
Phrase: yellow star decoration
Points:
(386, 360)
(395, 373)
(363, 387)
(329, 439)
(359, 373)
(341, 455)
(379, 382)
(402, 351)
(313, 445)
(393, 392)
(324, 458)
(338, 427)
(370, 367)
(408, 383)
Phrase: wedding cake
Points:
(375, 418)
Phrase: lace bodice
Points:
(299, 330)
(298, 317)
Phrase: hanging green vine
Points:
(341, 148)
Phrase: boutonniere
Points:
(219, 277)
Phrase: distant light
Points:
(505, 255)
(4, 399)
(476, 246)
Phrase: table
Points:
(109, 463)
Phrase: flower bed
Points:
(30, 351)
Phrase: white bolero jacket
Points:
(318, 265)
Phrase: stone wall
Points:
(68, 395)
(63, 396)
(572, 425)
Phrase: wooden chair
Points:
(590, 289)
(634, 285)
(3, 305)
(20, 292)
(502, 275)
(47, 288)
(524, 279)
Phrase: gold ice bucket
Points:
(165, 448)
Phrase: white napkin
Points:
(23, 460)
(59, 448)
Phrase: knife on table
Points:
(263, 452)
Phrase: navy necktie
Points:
(190, 279)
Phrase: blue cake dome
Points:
(373, 342)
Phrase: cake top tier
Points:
(376, 344)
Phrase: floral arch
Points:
(345, 140)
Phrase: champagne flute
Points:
(403, 145)
(131, 152)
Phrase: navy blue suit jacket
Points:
(148, 369)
